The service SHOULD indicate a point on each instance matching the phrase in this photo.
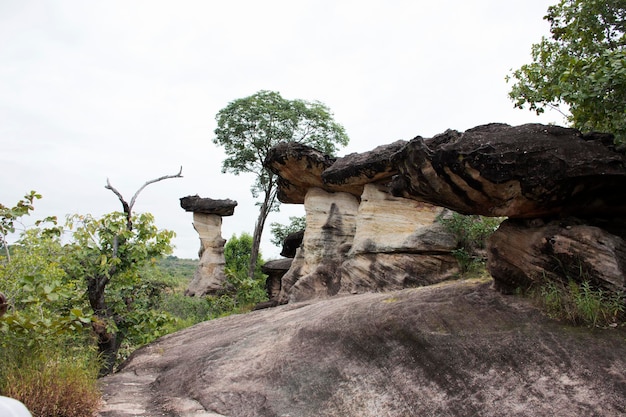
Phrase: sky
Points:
(128, 90)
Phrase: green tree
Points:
(582, 66)
(246, 290)
(281, 231)
(249, 127)
(110, 259)
(9, 215)
(113, 250)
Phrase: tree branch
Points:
(128, 207)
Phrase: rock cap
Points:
(197, 204)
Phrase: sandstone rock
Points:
(527, 171)
(388, 224)
(198, 204)
(453, 350)
(299, 166)
(379, 272)
(352, 172)
(398, 243)
(275, 270)
(291, 244)
(315, 271)
(521, 253)
(209, 277)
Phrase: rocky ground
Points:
(453, 349)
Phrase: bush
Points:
(471, 232)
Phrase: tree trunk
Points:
(266, 207)
(108, 343)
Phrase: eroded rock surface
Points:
(398, 243)
(451, 350)
(522, 253)
(209, 277)
(528, 171)
(331, 224)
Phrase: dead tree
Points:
(108, 340)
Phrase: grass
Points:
(52, 382)
(581, 303)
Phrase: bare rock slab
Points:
(451, 350)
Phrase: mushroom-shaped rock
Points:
(526, 171)
(207, 221)
(197, 204)
(275, 270)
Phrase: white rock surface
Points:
(209, 277)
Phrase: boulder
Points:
(528, 171)
(275, 270)
(526, 252)
(291, 244)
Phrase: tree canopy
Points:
(247, 128)
(582, 66)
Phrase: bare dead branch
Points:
(128, 207)
(165, 177)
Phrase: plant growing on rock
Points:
(472, 232)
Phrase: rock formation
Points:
(398, 243)
(566, 185)
(528, 171)
(453, 350)
(359, 237)
(330, 228)
(207, 221)
(567, 182)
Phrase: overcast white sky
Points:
(128, 90)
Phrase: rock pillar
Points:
(209, 277)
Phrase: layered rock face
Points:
(331, 225)
(359, 238)
(562, 191)
(398, 243)
(209, 278)
(566, 185)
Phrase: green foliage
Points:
(9, 215)
(108, 256)
(472, 232)
(244, 291)
(582, 65)
(582, 303)
(249, 127)
(281, 231)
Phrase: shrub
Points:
(471, 232)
